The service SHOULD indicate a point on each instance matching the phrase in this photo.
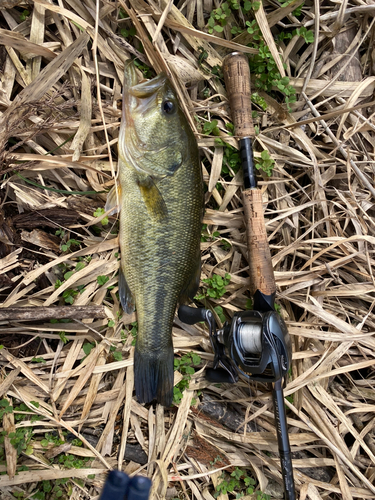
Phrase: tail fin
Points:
(153, 376)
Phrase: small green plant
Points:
(50, 438)
(240, 483)
(72, 242)
(219, 18)
(53, 490)
(73, 462)
(87, 348)
(38, 360)
(60, 232)
(5, 407)
(298, 11)
(211, 128)
(117, 355)
(63, 337)
(253, 29)
(220, 313)
(265, 163)
(307, 35)
(99, 212)
(134, 332)
(260, 101)
(206, 236)
(20, 439)
(265, 69)
(23, 412)
(185, 366)
(231, 161)
(69, 294)
(203, 54)
(102, 280)
(146, 70)
(251, 5)
(24, 15)
(128, 32)
(216, 286)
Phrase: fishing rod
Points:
(256, 343)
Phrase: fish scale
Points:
(161, 201)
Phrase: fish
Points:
(159, 196)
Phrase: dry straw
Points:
(60, 108)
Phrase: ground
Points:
(67, 405)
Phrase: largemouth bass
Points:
(160, 196)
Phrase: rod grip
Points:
(237, 83)
(260, 264)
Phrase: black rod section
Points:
(283, 440)
(247, 160)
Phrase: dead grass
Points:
(60, 99)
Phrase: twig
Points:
(362, 178)
(43, 313)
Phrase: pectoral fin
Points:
(114, 200)
(126, 297)
(153, 199)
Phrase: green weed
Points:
(231, 161)
(72, 242)
(216, 287)
(220, 16)
(117, 355)
(211, 128)
(265, 163)
(134, 331)
(298, 11)
(102, 280)
(24, 15)
(220, 313)
(240, 483)
(5, 407)
(307, 35)
(128, 32)
(146, 70)
(50, 438)
(63, 338)
(185, 366)
(98, 213)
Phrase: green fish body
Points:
(160, 196)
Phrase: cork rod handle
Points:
(260, 262)
(237, 82)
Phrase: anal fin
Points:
(126, 297)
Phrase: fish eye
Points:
(168, 107)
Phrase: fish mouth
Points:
(136, 93)
(144, 88)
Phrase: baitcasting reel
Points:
(258, 347)
(257, 343)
